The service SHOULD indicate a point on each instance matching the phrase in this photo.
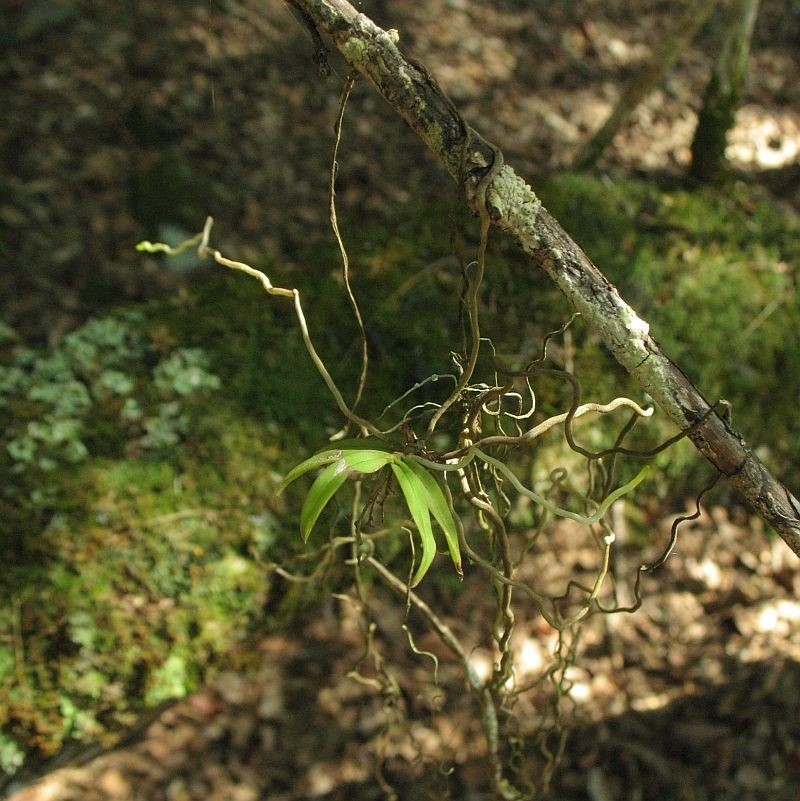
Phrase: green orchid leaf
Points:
(333, 453)
(339, 466)
(312, 463)
(322, 490)
(367, 461)
(434, 497)
(416, 498)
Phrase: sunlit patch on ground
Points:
(764, 139)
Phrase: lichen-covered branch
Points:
(513, 207)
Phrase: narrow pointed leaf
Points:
(415, 496)
(322, 490)
(367, 461)
(349, 455)
(441, 510)
(312, 463)
(340, 467)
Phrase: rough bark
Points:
(490, 185)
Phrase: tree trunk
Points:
(677, 38)
(723, 93)
(493, 190)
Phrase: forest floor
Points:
(124, 126)
(694, 696)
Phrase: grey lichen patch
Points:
(374, 53)
(628, 334)
(517, 206)
(365, 42)
(655, 375)
(638, 329)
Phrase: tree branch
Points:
(492, 187)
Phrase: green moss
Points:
(139, 592)
(711, 271)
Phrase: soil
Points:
(132, 122)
